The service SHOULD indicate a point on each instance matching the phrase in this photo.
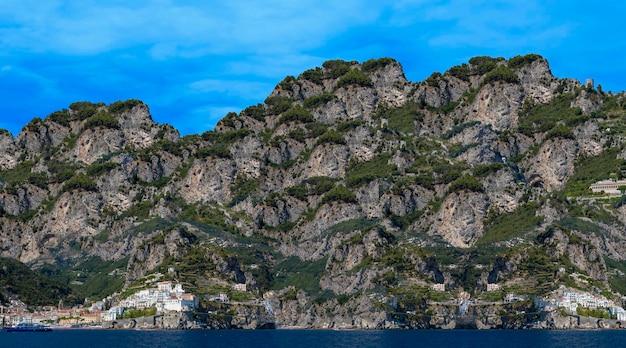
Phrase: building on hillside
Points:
(91, 318)
(608, 186)
(239, 287)
(167, 296)
(439, 287)
(493, 287)
(112, 314)
(164, 286)
(185, 302)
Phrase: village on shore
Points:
(171, 298)
(166, 297)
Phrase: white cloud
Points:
(90, 27)
(231, 87)
(494, 24)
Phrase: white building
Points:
(439, 287)
(164, 286)
(239, 287)
(182, 303)
(112, 314)
(493, 287)
(608, 186)
(166, 296)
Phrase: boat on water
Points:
(27, 327)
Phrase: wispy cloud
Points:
(193, 61)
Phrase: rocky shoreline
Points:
(525, 321)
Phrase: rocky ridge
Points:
(346, 194)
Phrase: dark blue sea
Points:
(314, 338)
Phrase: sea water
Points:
(315, 338)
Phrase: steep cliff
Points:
(349, 192)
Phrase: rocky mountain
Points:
(341, 199)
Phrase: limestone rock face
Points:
(8, 151)
(208, 180)
(553, 164)
(460, 220)
(348, 184)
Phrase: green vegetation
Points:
(97, 168)
(617, 274)
(138, 313)
(219, 143)
(460, 71)
(288, 82)
(544, 117)
(349, 125)
(226, 137)
(80, 182)
(376, 64)
(101, 119)
(84, 110)
(483, 170)
(520, 61)
(401, 119)
(339, 193)
(296, 114)
(257, 112)
(317, 185)
(33, 288)
(591, 169)
(336, 68)
(404, 221)
(315, 129)
(140, 209)
(79, 111)
(433, 79)
(34, 124)
(502, 226)
(331, 137)
(360, 173)
(242, 187)
(92, 278)
(459, 128)
(314, 75)
(481, 65)
(466, 183)
(61, 117)
(560, 131)
(121, 106)
(18, 174)
(348, 226)
(594, 313)
(299, 273)
(217, 150)
(38, 179)
(354, 77)
(448, 107)
(501, 73)
(613, 108)
(278, 104)
(314, 101)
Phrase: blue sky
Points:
(193, 61)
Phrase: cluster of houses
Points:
(17, 311)
(570, 300)
(166, 297)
